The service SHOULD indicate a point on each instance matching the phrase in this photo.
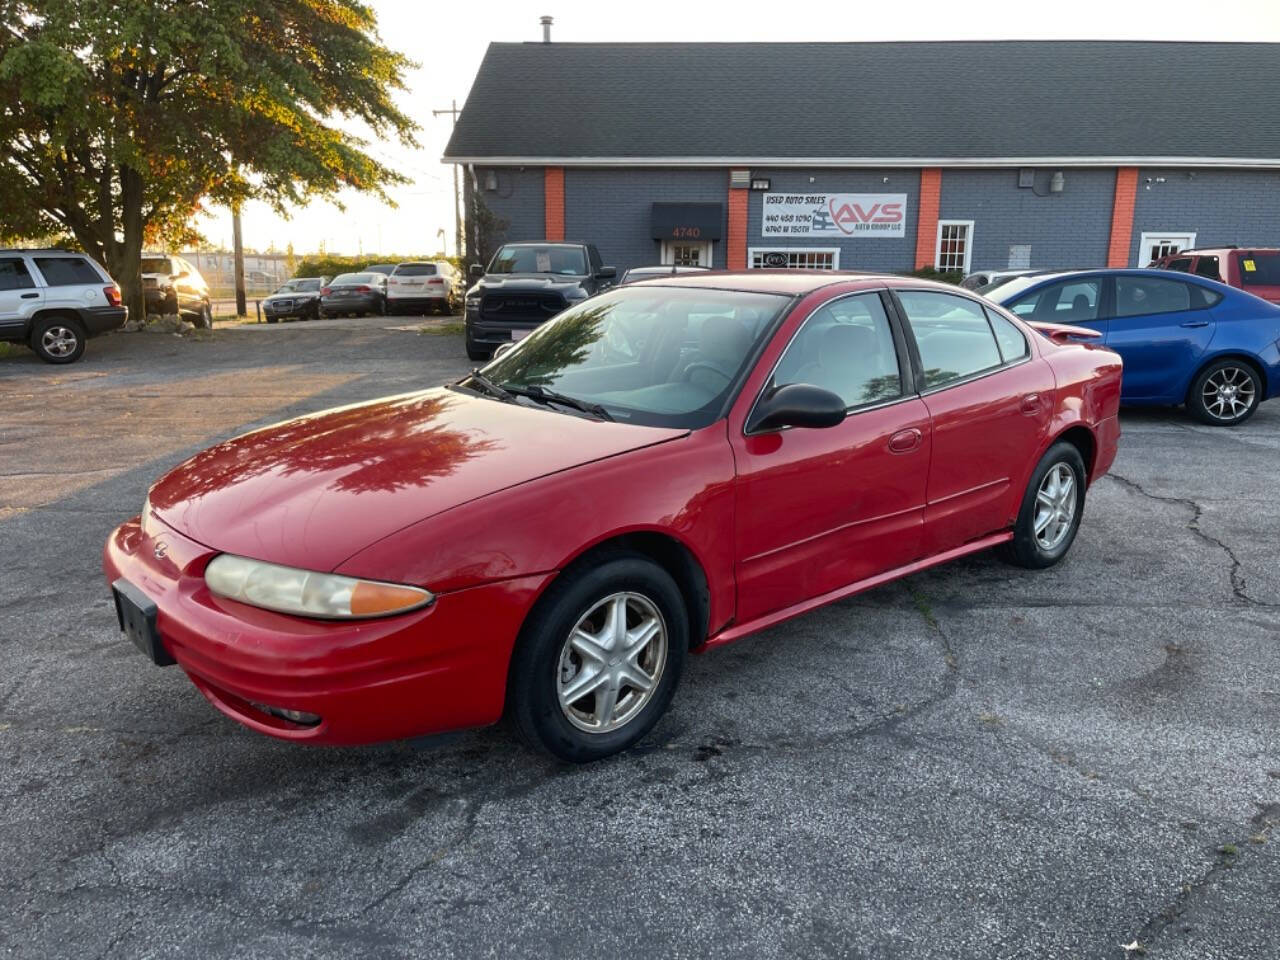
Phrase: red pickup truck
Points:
(1255, 270)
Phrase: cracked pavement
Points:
(977, 761)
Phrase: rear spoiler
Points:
(1063, 333)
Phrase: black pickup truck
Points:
(525, 285)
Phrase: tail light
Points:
(112, 294)
(437, 281)
(364, 289)
(325, 291)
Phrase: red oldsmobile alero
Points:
(665, 466)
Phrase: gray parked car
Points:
(55, 300)
(357, 294)
(299, 297)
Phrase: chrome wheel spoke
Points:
(583, 684)
(587, 645)
(636, 678)
(606, 701)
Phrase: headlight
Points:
(308, 593)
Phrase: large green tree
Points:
(120, 119)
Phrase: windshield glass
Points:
(539, 258)
(658, 356)
(300, 286)
(353, 278)
(156, 265)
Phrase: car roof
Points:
(1052, 276)
(1236, 247)
(787, 282)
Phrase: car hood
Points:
(313, 491)
(528, 283)
(299, 295)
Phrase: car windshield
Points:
(353, 278)
(300, 286)
(540, 258)
(1007, 287)
(156, 265)
(415, 270)
(658, 356)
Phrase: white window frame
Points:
(834, 251)
(968, 243)
(668, 256)
(1145, 238)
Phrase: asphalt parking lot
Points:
(976, 762)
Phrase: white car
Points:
(55, 300)
(423, 286)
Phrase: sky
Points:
(448, 42)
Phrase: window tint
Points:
(952, 333)
(1181, 264)
(1070, 301)
(415, 270)
(1202, 297)
(1013, 345)
(1136, 296)
(158, 265)
(1260, 269)
(845, 347)
(67, 271)
(1208, 267)
(14, 275)
(306, 286)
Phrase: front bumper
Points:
(440, 668)
(496, 332)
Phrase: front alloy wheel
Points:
(1225, 393)
(598, 660)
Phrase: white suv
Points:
(424, 286)
(54, 301)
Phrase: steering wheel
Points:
(706, 365)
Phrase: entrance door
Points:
(1153, 246)
(686, 253)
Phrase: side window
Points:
(14, 274)
(1013, 345)
(1136, 296)
(1070, 301)
(67, 271)
(1202, 297)
(952, 333)
(1181, 264)
(1208, 267)
(846, 347)
(1260, 269)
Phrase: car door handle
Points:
(1031, 404)
(1196, 323)
(904, 441)
(30, 296)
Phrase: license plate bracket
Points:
(136, 613)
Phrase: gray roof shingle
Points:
(892, 101)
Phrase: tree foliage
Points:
(119, 119)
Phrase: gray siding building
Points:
(874, 156)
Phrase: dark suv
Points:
(527, 284)
(1254, 270)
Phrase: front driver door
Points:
(1160, 327)
(820, 509)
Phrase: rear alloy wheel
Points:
(1051, 510)
(57, 340)
(1225, 393)
(205, 316)
(599, 660)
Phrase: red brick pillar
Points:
(553, 199)
(736, 241)
(1122, 216)
(927, 218)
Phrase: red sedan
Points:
(666, 466)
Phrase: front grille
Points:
(521, 306)
(280, 306)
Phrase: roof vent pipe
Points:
(546, 28)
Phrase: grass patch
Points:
(5, 350)
(443, 329)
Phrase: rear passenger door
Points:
(989, 396)
(1160, 327)
(19, 296)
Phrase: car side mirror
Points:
(476, 270)
(796, 405)
(606, 273)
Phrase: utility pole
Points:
(453, 111)
(237, 244)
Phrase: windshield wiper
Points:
(543, 395)
(488, 386)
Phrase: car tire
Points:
(272, 319)
(1225, 393)
(204, 318)
(58, 339)
(475, 351)
(1051, 510)
(556, 649)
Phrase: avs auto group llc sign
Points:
(834, 215)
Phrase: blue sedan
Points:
(1184, 339)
